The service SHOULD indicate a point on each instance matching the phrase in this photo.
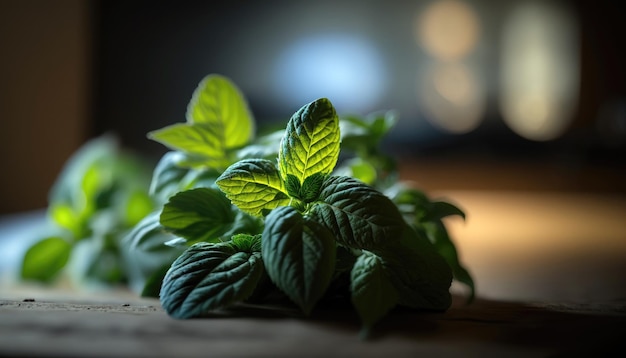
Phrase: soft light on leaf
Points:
(311, 141)
(138, 206)
(64, 216)
(299, 256)
(254, 186)
(217, 103)
(198, 140)
(201, 214)
(44, 260)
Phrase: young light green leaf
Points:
(207, 277)
(201, 214)
(197, 140)
(299, 254)
(311, 141)
(246, 243)
(420, 275)
(217, 103)
(45, 259)
(358, 216)
(253, 185)
(373, 294)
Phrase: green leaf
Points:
(299, 255)
(293, 186)
(365, 133)
(207, 277)
(196, 140)
(247, 243)
(201, 214)
(265, 146)
(253, 185)
(68, 185)
(440, 209)
(358, 168)
(217, 103)
(357, 215)
(152, 284)
(311, 141)
(311, 187)
(167, 176)
(438, 235)
(64, 216)
(308, 191)
(418, 272)
(45, 259)
(148, 235)
(145, 253)
(373, 294)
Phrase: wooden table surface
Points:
(121, 326)
(549, 269)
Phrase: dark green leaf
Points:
(438, 235)
(299, 256)
(293, 186)
(440, 209)
(148, 235)
(201, 214)
(311, 187)
(207, 277)
(420, 275)
(45, 259)
(152, 285)
(358, 215)
(307, 191)
(253, 185)
(167, 176)
(373, 294)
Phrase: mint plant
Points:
(311, 213)
(250, 217)
(100, 195)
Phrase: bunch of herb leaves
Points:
(99, 196)
(295, 220)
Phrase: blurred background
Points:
(523, 97)
(518, 94)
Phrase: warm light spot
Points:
(448, 29)
(347, 69)
(539, 70)
(452, 97)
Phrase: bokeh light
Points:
(345, 68)
(447, 29)
(452, 96)
(540, 70)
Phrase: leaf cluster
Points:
(251, 217)
(99, 196)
